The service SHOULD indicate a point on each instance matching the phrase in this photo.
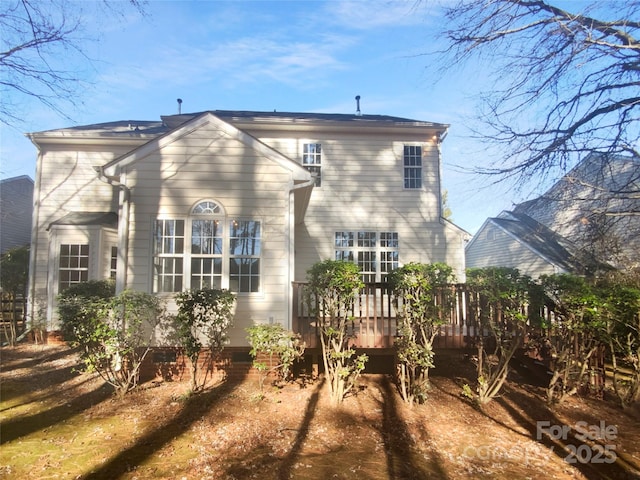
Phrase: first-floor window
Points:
(168, 247)
(244, 256)
(113, 263)
(74, 265)
(207, 251)
(376, 253)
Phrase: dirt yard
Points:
(57, 423)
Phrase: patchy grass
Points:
(57, 423)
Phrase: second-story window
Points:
(312, 160)
(412, 166)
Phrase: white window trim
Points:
(378, 249)
(320, 166)
(187, 255)
(422, 156)
(92, 235)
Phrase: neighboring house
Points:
(16, 208)
(586, 221)
(518, 241)
(596, 206)
(247, 201)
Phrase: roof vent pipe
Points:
(179, 106)
(358, 112)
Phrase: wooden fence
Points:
(13, 322)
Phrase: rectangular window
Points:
(74, 265)
(244, 256)
(114, 263)
(412, 166)
(312, 160)
(376, 253)
(168, 251)
(201, 253)
(388, 253)
(206, 254)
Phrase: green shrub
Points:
(283, 347)
(332, 290)
(203, 316)
(113, 333)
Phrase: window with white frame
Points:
(312, 160)
(244, 256)
(376, 253)
(206, 253)
(168, 250)
(74, 265)
(412, 166)
(221, 253)
(113, 263)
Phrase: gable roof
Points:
(544, 242)
(300, 174)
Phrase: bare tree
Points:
(566, 83)
(41, 50)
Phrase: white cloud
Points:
(378, 13)
(245, 60)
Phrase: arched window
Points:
(207, 250)
(207, 231)
(207, 208)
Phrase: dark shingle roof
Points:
(246, 115)
(106, 219)
(545, 241)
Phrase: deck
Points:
(373, 323)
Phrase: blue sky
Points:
(310, 56)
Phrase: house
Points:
(516, 240)
(588, 220)
(247, 201)
(16, 208)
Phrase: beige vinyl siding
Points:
(495, 248)
(65, 182)
(168, 183)
(363, 189)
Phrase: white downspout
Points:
(291, 248)
(124, 198)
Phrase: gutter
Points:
(290, 246)
(123, 226)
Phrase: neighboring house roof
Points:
(104, 219)
(16, 210)
(596, 206)
(542, 240)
